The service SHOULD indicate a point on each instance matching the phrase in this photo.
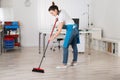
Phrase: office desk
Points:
(62, 35)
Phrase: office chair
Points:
(58, 42)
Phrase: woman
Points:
(72, 33)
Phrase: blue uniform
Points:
(71, 32)
(71, 38)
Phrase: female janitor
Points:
(72, 34)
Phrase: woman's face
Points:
(54, 12)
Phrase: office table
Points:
(62, 35)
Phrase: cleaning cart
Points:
(12, 35)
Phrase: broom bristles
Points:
(38, 70)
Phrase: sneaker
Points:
(61, 67)
(73, 63)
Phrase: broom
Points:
(40, 69)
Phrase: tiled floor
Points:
(17, 65)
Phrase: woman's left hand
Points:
(51, 38)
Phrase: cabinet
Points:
(81, 46)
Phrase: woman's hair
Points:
(53, 7)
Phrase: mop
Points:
(40, 69)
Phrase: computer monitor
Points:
(76, 20)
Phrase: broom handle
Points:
(44, 54)
(48, 42)
(53, 27)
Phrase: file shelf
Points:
(109, 46)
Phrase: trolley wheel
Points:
(53, 49)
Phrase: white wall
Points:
(6, 3)
(28, 17)
(8, 14)
(107, 16)
(6, 10)
(1, 14)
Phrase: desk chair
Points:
(58, 41)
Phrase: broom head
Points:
(38, 70)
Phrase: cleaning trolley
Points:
(12, 37)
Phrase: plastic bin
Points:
(11, 27)
(8, 23)
(9, 43)
(15, 23)
(11, 36)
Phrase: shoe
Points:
(61, 67)
(73, 63)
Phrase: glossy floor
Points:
(17, 65)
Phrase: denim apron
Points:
(71, 32)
